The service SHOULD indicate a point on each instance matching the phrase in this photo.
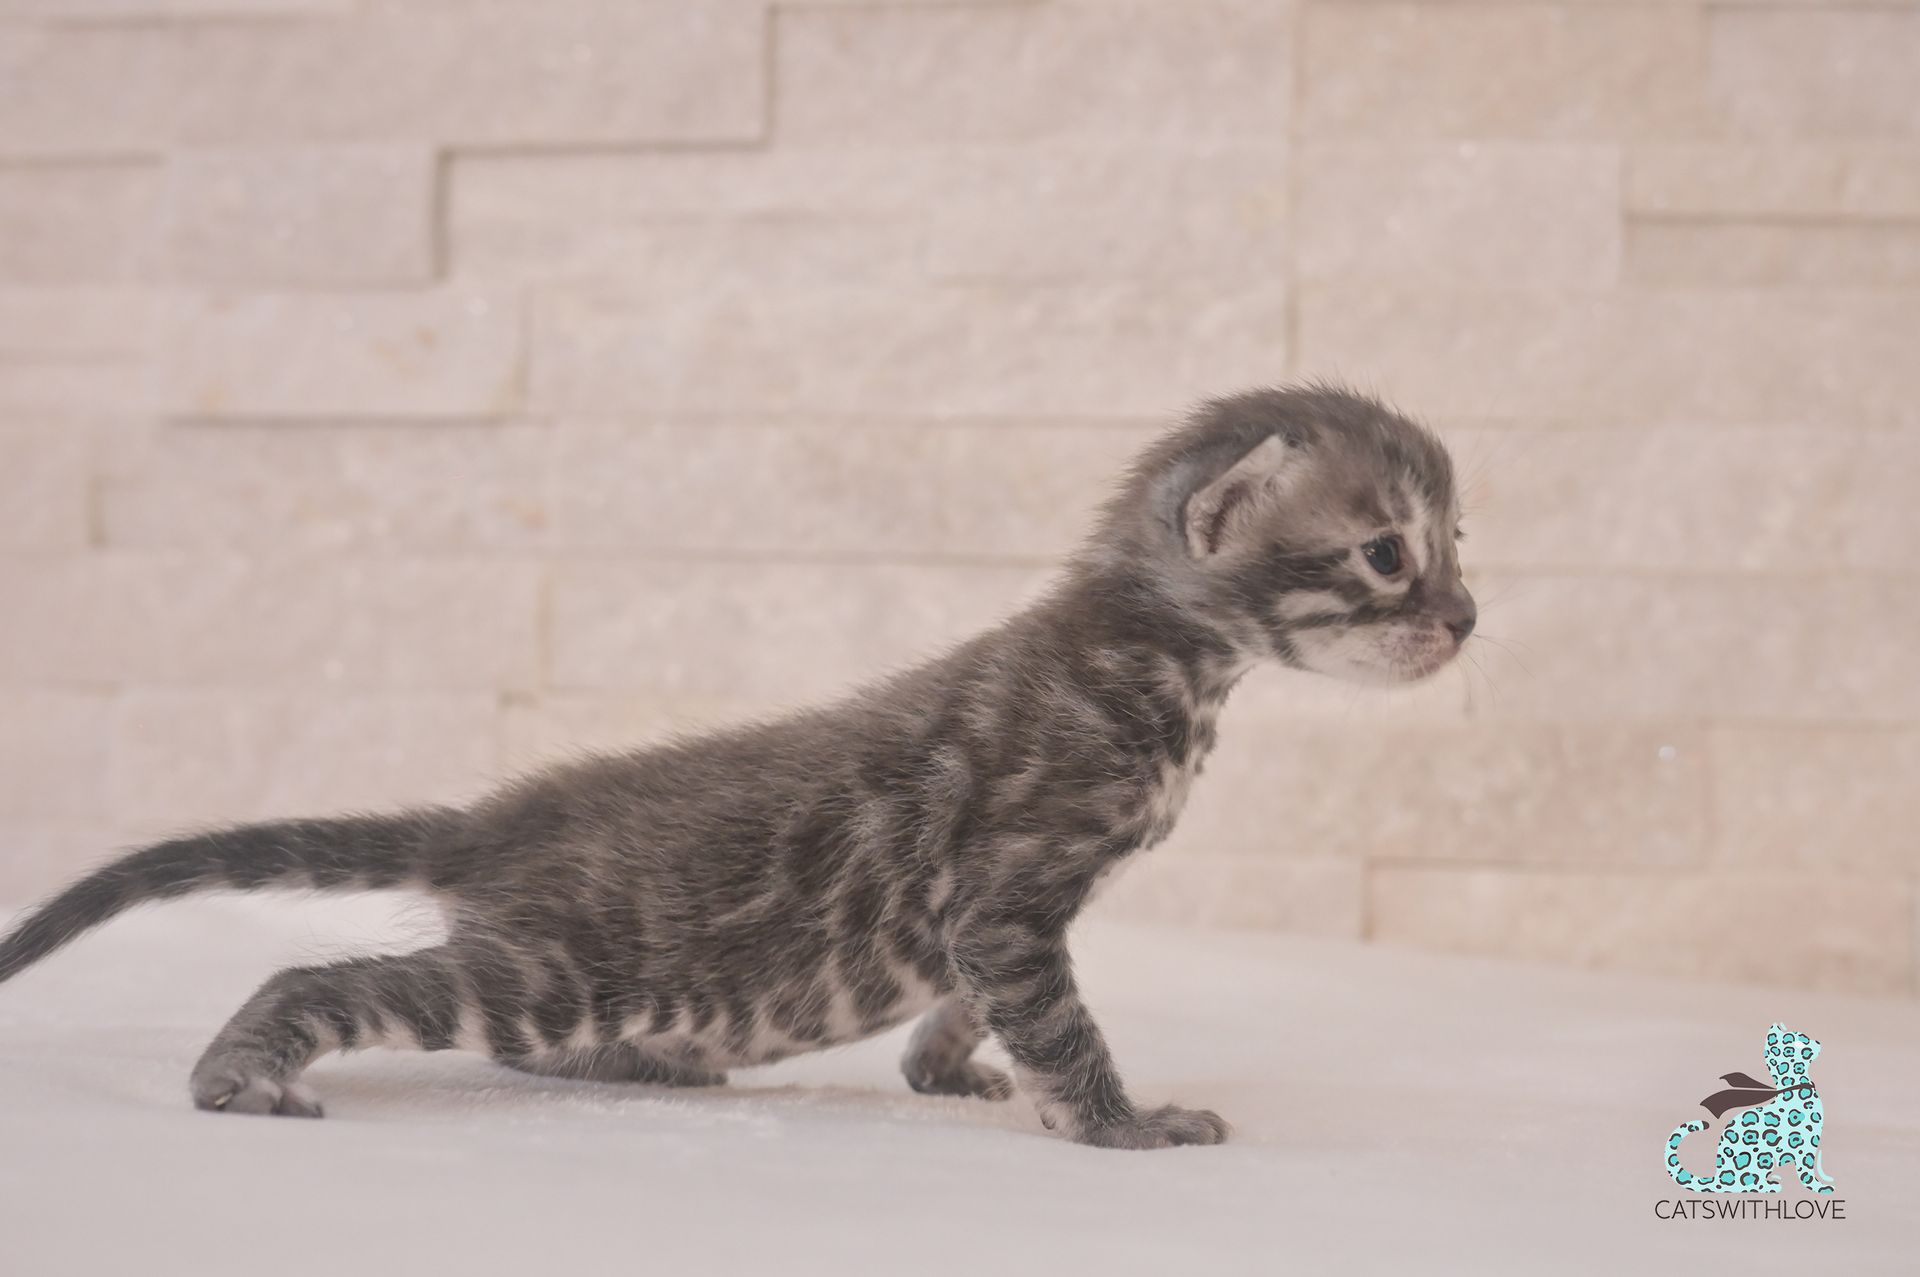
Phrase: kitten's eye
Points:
(1383, 554)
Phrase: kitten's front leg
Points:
(1020, 982)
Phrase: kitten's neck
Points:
(1119, 607)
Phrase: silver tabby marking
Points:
(663, 915)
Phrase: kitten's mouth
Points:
(1426, 664)
(1418, 671)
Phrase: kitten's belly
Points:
(800, 1013)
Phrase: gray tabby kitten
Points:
(662, 915)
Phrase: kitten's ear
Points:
(1226, 507)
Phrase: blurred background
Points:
(397, 393)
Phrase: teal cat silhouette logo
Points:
(1775, 1125)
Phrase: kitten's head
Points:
(1316, 527)
(1790, 1055)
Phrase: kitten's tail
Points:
(1681, 1175)
(343, 853)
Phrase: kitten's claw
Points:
(1164, 1127)
(255, 1095)
(967, 1078)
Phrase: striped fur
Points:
(663, 915)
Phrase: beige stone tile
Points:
(1821, 931)
(103, 10)
(1705, 500)
(70, 354)
(1817, 800)
(183, 758)
(1605, 4)
(44, 855)
(876, 491)
(53, 754)
(304, 217)
(575, 72)
(498, 200)
(1844, 72)
(1501, 71)
(174, 619)
(75, 223)
(1017, 73)
(558, 217)
(1093, 211)
(76, 325)
(447, 353)
(883, 490)
(763, 634)
(1194, 888)
(1750, 254)
(43, 489)
(868, 4)
(1459, 212)
(375, 487)
(1492, 794)
(1818, 648)
(1746, 357)
(68, 92)
(1104, 349)
(491, 195)
(556, 246)
(1831, 179)
(72, 390)
(1079, 208)
(551, 727)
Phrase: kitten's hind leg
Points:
(253, 1065)
(618, 1062)
(939, 1056)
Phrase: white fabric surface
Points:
(1395, 1112)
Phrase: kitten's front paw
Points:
(220, 1089)
(968, 1078)
(1163, 1127)
(259, 1095)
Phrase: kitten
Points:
(662, 915)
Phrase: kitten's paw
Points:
(1164, 1127)
(968, 1078)
(220, 1091)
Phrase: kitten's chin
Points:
(1398, 675)
(1421, 666)
(1420, 673)
(1394, 662)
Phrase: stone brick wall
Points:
(396, 392)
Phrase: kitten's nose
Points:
(1460, 616)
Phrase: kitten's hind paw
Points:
(966, 1078)
(221, 1092)
(1164, 1127)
